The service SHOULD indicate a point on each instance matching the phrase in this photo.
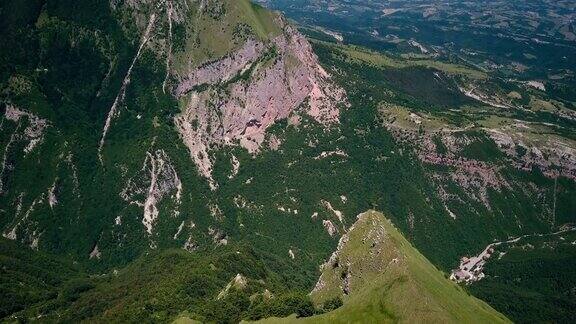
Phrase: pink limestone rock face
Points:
(235, 99)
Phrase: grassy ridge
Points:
(408, 288)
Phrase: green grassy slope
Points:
(390, 281)
(223, 28)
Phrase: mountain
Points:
(201, 159)
(124, 108)
(382, 278)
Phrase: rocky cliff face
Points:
(235, 71)
(236, 98)
(230, 95)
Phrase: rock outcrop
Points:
(155, 181)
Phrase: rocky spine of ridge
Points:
(352, 259)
